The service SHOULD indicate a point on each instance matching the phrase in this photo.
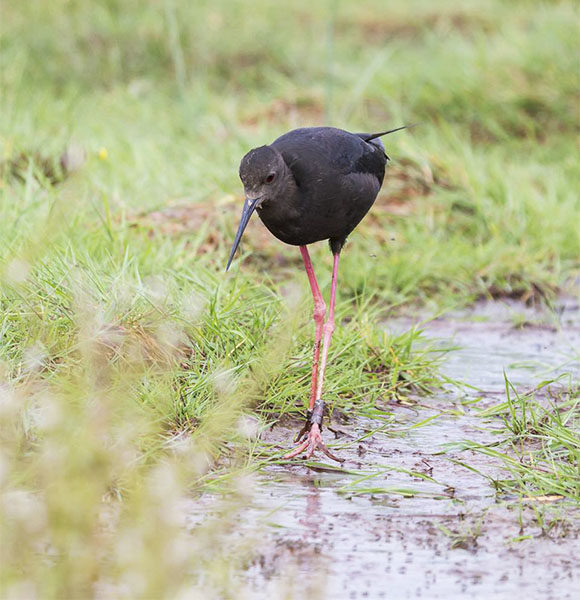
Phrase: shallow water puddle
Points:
(528, 344)
(406, 521)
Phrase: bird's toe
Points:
(310, 444)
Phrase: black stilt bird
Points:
(313, 184)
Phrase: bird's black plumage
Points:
(338, 176)
(312, 184)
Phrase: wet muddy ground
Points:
(329, 534)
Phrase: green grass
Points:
(119, 329)
(540, 447)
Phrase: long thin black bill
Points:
(249, 207)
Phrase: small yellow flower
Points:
(103, 154)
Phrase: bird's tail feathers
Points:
(372, 136)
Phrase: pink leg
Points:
(319, 314)
(314, 438)
(328, 329)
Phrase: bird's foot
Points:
(310, 436)
(310, 444)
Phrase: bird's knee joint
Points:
(329, 327)
(320, 312)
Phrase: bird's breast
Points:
(284, 222)
(329, 209)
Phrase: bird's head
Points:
(262, 172)
(264, 175)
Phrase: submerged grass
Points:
(133, 372)
(540, 446)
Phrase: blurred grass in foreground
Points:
(131, 367)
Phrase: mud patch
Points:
(376, 30)
(44, 168)
(404, 517)
(196, 221)
(304, 109)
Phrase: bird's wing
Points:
(318, 154)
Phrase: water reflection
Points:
(313, 517)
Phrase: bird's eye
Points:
(270, 178)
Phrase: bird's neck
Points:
(289, 203)
(291, 188)
(285, 207)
